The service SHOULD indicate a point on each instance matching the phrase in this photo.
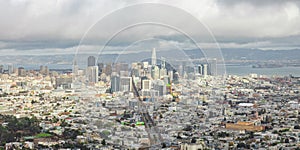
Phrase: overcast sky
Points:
(41, 27)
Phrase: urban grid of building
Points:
(147, 105)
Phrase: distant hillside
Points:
(229, 54)
(256, 54)
(253, 54)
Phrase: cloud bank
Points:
(57, 26)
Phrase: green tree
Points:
(103, 142)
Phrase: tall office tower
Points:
(21, 72)
(162, 72)
(1, 68)
(10, 69)
(170, 74)
(163, 62)
(176, 77)
(166, 79)
(108, 69)
(115, 83)
(91, 61)
(155, 72)
(75, 68)
(44, 70)
(159, 86)
(200, 69)
(125, 84)
(204, 69)
(100, 68)
(92, 74)
(213, 67)
(153, 57)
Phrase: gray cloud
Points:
(33, 24)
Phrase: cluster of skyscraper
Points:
(20, 71)
(150, 79)
(10, 69)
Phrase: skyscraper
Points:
(163, 62)
(92, 74)
(155, 72)
(108, 69)
(204, 69)
(10, 69)
(153, 57)
(100, 67)
(75, 68)
(21, 71)
(115, 83)
(125, 84)
(44, 70)
(213, 66)
(1, 68)
(91, 61)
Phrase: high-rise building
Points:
(155, 72)
(176, 77)
(153, 57)
(21, 72)
(170, 74)
(92, 74)
(10, 69)
(115, 83)
(163, 62)
(162, 72)
(200, 69)
(125, 84)
(166, 79)
(44, 70)
(100, 68)
(75, 69)
(1, 68)
(91, 61)
(160, 87)
(108, 69)
(213, 66)
(204, 69)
